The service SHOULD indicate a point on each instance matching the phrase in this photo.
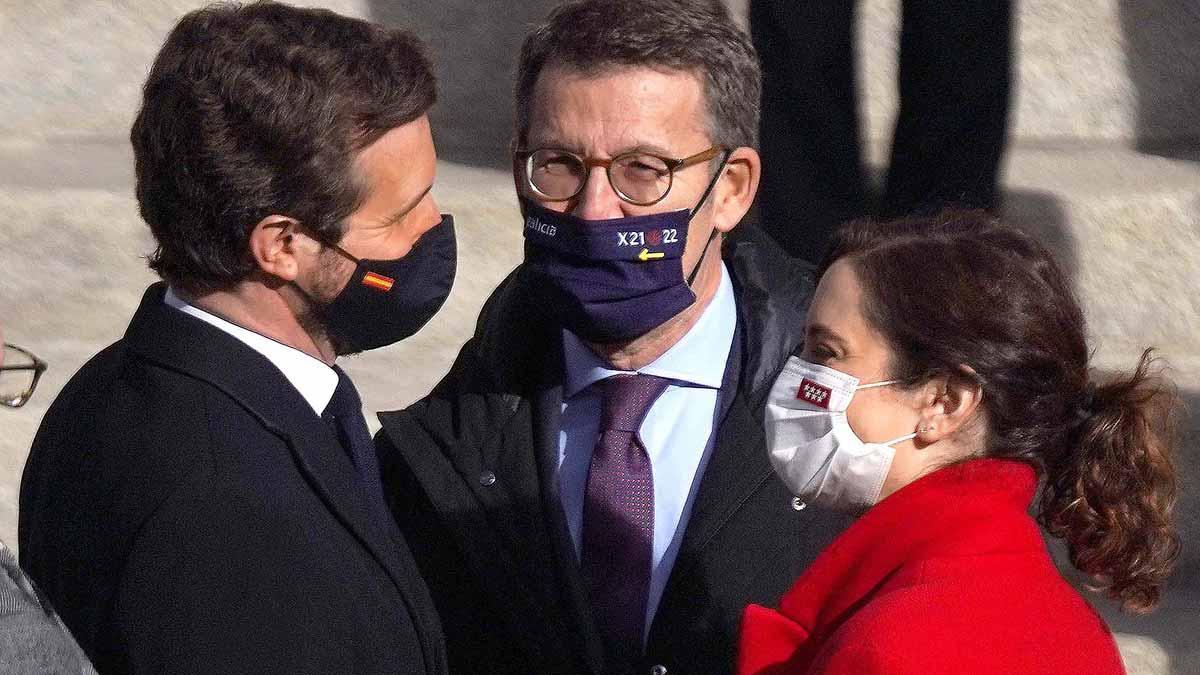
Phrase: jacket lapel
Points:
(333, 477)
(496, 456)
(547, 416)
(737, 468)
(181, 342)
(739, 465)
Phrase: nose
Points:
(430, 216)
(427, 216)
(598, 200)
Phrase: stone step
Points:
(71, 69)
(1127, 226)
(1105, 70)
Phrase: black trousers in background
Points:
(954, 80)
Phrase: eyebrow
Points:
(648, 148)
(392, 219)
(818, 332)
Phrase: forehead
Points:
(837, 303)
(617, 109)
(401, 154)
(395, 169)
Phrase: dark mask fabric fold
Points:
(607, 280)
(389, 300)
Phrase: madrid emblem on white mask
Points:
(811, 444)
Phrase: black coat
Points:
(186, 511)
(466, 466)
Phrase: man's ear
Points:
(274, 247)
(951, 402)
(735, 191)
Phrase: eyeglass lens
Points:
(17, 378)
(636, 177)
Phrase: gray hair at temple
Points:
(697, 36)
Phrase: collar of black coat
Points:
(515, 336)
(186, 344)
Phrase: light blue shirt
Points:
(677, 431)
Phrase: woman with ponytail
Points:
(944, 379)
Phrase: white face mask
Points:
(811, 444)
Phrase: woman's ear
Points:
(950, 403)
(274, 247)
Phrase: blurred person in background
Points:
(32, 637)
(945, 374)
(948, 141)
(204, 496)
(588, 490)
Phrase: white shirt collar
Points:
(698, 358)
(310, 376)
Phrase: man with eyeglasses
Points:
(32, 638)
(588, 490)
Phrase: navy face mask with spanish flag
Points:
(389, 300)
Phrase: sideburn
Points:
(326, 287)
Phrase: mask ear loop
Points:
(901, 439)
(877, 384)
(884, 384)
(711, 235)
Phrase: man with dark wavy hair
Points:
(589, 491)
(203, 496)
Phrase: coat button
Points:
(798, 504)
(658, 670)
(487, 478)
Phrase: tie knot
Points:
(627, 399)
(345, 401)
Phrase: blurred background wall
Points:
(1103, 164)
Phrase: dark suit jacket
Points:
(187, 512)
(469, 471)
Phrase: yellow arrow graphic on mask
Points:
(647, 255)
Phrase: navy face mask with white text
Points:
(610, 280)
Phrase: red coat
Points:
(947, 575)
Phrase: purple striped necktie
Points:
(618, 514)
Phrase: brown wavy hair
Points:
(963, 295)
(257, 109)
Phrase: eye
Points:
(819, 353)
(555, 163)
(645, 171)
(641, 167)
